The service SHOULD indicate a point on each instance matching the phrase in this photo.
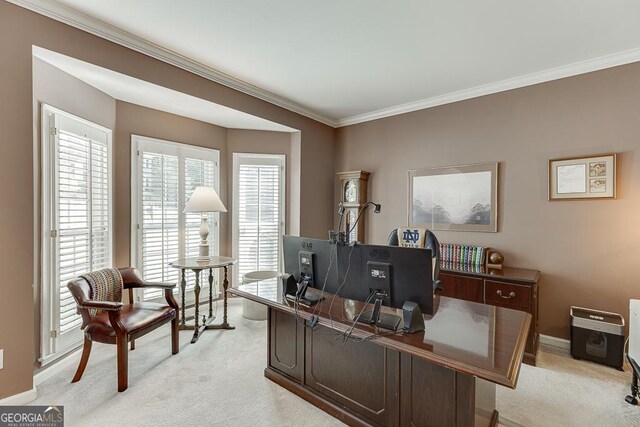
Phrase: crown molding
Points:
(99, 28)
(582, 67)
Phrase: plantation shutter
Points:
(160, 216)
(167, 175)
(258, 209)
(77, 222)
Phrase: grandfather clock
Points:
(353, 198)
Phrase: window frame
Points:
(50, 346)
(266, 159)
(181, 150)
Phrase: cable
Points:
(344, 280)
(362, 209)
(333, 251)
(347, 333)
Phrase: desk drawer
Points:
(507, 295)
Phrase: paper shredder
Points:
(597, 336)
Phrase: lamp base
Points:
(203, 253)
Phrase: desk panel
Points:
(286, 344)
(354, 374)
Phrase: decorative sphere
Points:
(496, 258)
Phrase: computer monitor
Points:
(398, 274)
(391, 274)
(308, 259)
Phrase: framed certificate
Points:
(575, 178)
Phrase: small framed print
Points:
(576, 178)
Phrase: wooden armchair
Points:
(107, 320)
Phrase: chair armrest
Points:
(157, 285)
(102, 305)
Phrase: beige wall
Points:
(586, 250)
(58, 89)
(133, 119)
(19, 30)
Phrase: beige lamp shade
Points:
(204, 199)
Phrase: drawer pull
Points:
(511, 295)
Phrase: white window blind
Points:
(77, 232)
(258, 212)
(160, 217)
(164, 176)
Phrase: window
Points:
(76, 220)
(258, 211)
(164, 175)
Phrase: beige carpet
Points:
(561, 391)
(219, 382)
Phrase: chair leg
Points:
(133, 345)
(175, 335)
(123, 362)
(86, 350)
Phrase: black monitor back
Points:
(321, 251)
(409, 271)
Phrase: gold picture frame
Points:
(454, 198)
(583, 177)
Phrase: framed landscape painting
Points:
(457, 198)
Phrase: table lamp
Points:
(204, 200)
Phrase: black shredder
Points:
(597, 336)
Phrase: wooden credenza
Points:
(515, 288)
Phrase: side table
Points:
(197, 266)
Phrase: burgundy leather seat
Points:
(119, 323)
(135, 318)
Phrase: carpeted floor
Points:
(561, 391)
(219, 381)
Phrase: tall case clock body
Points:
(353, 196)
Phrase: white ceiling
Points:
(135, 91)
(351, 61)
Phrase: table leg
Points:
(224, 324)
(183, 288)
(211, 292)
(196, 324)
(225, 285)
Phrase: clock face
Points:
(350, 192)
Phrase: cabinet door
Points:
(286, 344)
(462, 287)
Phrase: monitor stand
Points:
(381, 320)
(307, 300)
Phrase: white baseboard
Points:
(20, 399)
(51, 370)
(555, 343)
(46, 373)
(506, 422)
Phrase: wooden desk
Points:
(444, 376)
(510, 287)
